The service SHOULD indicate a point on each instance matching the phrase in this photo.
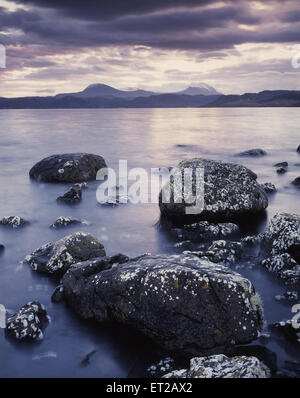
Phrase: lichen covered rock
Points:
(28, 322)
(231, 192)
(221, 251)
(56, 258)
(184, 303)
(203, 230)
(268, 187)
(220, 366)
(70, 167)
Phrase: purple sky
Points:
(236, 46)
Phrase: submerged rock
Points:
(220, 366)
(287, 296)
(230, 193)
(296, 182)
(298, 149)
(56, 258)
(204, 230)
(69, 167)
(253, 153)
(72, 196)
(28, 322)
(2, 247)
(281, 164)
(13, 221)
(66, 221)
(268, 187)
(184, 303)
(281, 170)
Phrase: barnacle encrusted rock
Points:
(69, 167)
(184, 303)
(230, 192)
(28, 322)
(221, 251)
(13, 221)
(220, 366)
(56, 258)
(281, 241)
(203, 230)
(67, 221)
(268, 187)
(72, 196)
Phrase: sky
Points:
(237, 46)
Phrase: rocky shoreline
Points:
(191, 303)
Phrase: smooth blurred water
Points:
(146, 138)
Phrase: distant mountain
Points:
(201, 89)
(104, 91)
(111, 98)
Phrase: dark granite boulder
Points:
(69, 167)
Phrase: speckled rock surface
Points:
(56, 258)
(28, 322)
(182, 302)
(204, 230)
(281, 241)
(221, 251)
(253, 153)
(72, 196)
(230, 192)
(13, 221)
(61, 222)
(70, 167)
(220, 366)
(268, 187)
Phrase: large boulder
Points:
(184, 303)
(69, 167)
(56, 258)
(230, 192)
(220, 366)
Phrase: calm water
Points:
(146, 138)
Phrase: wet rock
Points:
(253, 153)
(252, 240)
(220, 366)
(72, 196)
(289, 329)
(56, 258)
(2, 247)
(298, 149)
(221, 251)
(281, 170)
(28, 323)
(114, 200)
(296, 182)
(58, 294)
(81, 185)
(282, 164)
(67, 221)
(70, 167)
(287, 296)
(231, 192)
(13, 221)
(284, 266)
(87, 359)
(184, 303)
(268, 187)
(163, 366)
(204, 230)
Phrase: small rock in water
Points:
(290, 329)
(288, 296)
(296, 182)
(28, 322)
(281, 170)
(268, 187)
(163, 366)
(86, 360)
(253, 153)
(66, 221)
(56, 258)
(220, 366)
(2, 247)
(282, 164)
(13, 221)
(58, 294)
(72, 196)
(115, 201)
(298, 149)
